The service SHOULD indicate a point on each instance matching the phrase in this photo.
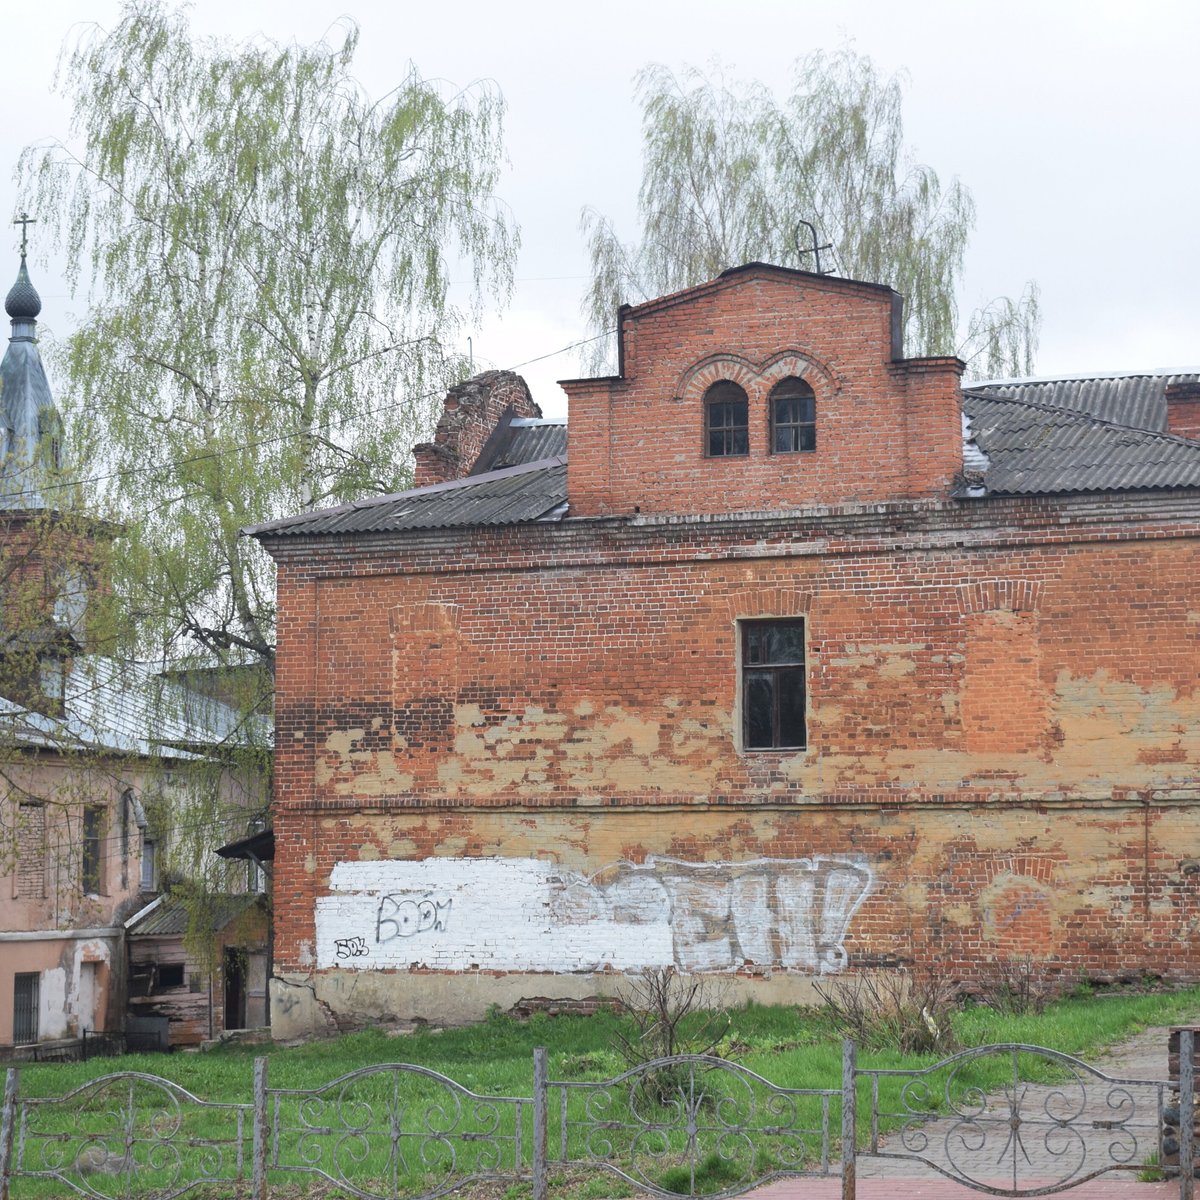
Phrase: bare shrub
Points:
(1015, 986)
(903, 1009)
(669, 1014)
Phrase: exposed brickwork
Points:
(885, 428)
(1002, 693)
(470, 413)
(1183, 409)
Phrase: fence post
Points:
(1187, 1114)
(540, 1111)
(849, 1119)
(258, 1183)
(7, 1126)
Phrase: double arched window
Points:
(792, 411)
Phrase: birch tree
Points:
(267, 252)
(730, 173)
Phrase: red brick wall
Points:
(886, 429)
(1002, 694)
(1183, 409)
(990, 683)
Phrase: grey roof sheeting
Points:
(525, 440)
(170, 918)
(1021, 437)
(1137, 401)
(1041, 449)
(534, 491)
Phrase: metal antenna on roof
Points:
(814, 249)
(471, 355)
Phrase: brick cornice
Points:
(898, 527)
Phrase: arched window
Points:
(793, 416)
(726, 420)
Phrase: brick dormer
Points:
(764, 389)
(473, 410)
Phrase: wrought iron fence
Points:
(1010, 1120)
(1017, 1120)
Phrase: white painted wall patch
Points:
(523, 914)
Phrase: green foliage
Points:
(730, 173)
(268, 250)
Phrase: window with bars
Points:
(25, 1008)
(726, 420)
(793, 417)
(773, 687)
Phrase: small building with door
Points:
(200, 968)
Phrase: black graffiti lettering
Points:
(401, 916)
(352, 947)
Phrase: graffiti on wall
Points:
(524, 914)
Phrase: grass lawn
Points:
(790, 1047)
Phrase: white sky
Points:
(1075, 125)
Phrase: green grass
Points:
(791, 1047)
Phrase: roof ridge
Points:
(1085, 377)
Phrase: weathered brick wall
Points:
(469, 414)
(1002, 735)
(885, 428)
(1183, 409)
(515, 752)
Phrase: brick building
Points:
(89, 744)
(791, 657)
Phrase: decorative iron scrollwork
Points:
(1050, 1123)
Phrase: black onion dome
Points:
(22, 302)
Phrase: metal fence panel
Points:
(395, 1130)
(1015, 1120)
(128, 1134)
(691, 1125)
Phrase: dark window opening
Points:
(168, 975)
(773, 685)
(25, 1008)
(793, 417)
(93, 830)
(726, 420)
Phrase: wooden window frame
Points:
(754, 666)
(802, 433)
(723, 396)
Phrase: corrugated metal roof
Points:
(170, 918)
(525, 440)
(535, 491)
(1136, 401)
(1038, 449)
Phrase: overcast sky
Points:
(1074, 124)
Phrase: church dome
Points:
(22, 302)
